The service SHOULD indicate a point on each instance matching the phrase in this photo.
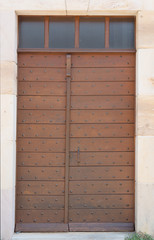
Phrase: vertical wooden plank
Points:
(68, 76)
(46, 32)
(76, 32)
(107, 25)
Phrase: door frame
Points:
(68, 51)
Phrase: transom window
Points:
(77, 32)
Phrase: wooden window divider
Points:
(46, 32)
(107, 26)
(77, 23)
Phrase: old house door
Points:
(75, 148)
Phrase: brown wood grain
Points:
(40, 188)
(101, 187)
(44, 74)
(102, 88)
(102, 158)
(102, 144)
(98, 215)
(46, 31)
(41, 130)
(103, 60)
(77, 25)
(104, 74)
(67, 155)
(41, 60)
(102, 130)
(98, 173)
(101, 201)
(101, 227)
(41, 88)
(40, 202)
(41, 227)
(41, 116)
(41, 145)
(40, 159)
(102, 102)
(40, 216)
(42, 173)
(107, 31)
(41, 102)
(102, 116)
(85, 171)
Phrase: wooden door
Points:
(101, 179)
(75, 148)
(41, 142)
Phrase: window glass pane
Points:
(121, 33)
(92, 33)
(31, 32)
(62, 32)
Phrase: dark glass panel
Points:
(122, 33)
(31, 32)
(62, 32)
(92, 32)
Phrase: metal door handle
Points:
(78, 155)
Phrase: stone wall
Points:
(144, 12)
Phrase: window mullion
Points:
(107, 25)
(46, 32)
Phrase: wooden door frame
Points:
(62, 227)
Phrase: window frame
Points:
(76, 44)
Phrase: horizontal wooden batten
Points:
(101, 102)
(42, 88)
(86, 159)
(101, 187)
(102, 130)
(40, 216)
(39, 145)
(102, 144)
(101, 227)
(40, 60)
(42, 102)
(97, 88)
(98, 215)
(41, 227)
(102, 88)
(40, 159)
(72, 50)
(103, 74)
(40, 202)
(77, 130)
(39, 173)
(56, 75)
(101, 201)
(102, 116)
(112, 60)
(44, 75)
(41, 131)
(39, 116)
(83, 60)
(101, 172)
(102, 158)
(40, 188)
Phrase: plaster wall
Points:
(144, 12)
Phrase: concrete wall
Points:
(144, 12)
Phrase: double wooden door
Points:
(75, 145)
